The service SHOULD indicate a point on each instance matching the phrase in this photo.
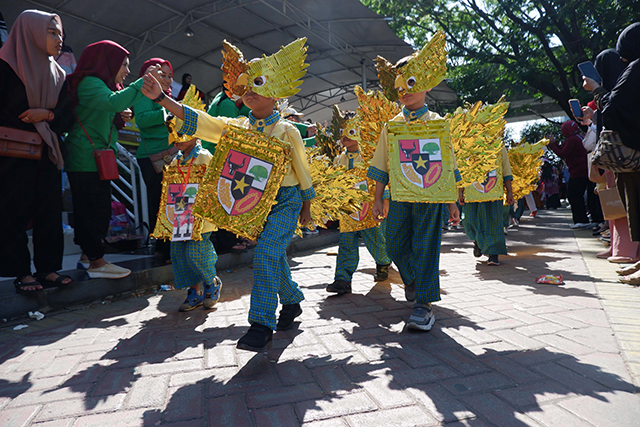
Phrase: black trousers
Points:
(91, 211)
(575, 193)
(30, 191)
(153, 180)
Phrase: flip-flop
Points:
(18, 283)
(59, 281)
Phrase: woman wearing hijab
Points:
(622, 249)
(150, 119)
(186, 82)
(31, 190)
(620, 110)
(96, 94)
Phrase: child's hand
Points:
(151, 88)
(378, 210)
(454, 214)
(305, 213)
(385, 207)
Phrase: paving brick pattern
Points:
(504, 351)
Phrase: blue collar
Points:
(195, 152)
(414, 115)
(262, 123)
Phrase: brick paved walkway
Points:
(504, 351)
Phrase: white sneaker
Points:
(421, 318)
(108, 271)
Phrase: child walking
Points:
(414, 230)
(194, 262)
(348, 256)
(260, 85)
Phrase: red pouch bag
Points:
(106, 163)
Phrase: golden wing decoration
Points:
(476, 136)
(387, 74)
(374, 110)
(283, 70)
(335, 192)
(526, 160)
(192, 99)
(233, 64)
(326, 143)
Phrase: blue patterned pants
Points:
(271, 274)
(193, 262)
(348, 251)
(414, 233)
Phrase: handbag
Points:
(611, 154)
(612, 207)
(105, 158)
(20, 143)
(163, 158)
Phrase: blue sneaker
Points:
(193, 300)
(212, 293)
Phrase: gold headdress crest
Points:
(274, 76)
(424, 70)
(192, 99)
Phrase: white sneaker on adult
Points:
(108, 271)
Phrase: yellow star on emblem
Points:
(181, 205)
(241, 185)
(421, 163)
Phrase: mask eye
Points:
(352, 132)
(411, 81)
(259, 81)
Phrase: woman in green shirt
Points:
(150, 119)
(97, 94)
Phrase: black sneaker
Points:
(493, 260)
(476, 250)
(287, 314)
(340, 287)
(258, 338)
(410, 291)
(382, 272)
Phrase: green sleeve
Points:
(309, 142)
(94, 93)
(147, 113)
(227, 108)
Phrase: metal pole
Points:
(364, 75)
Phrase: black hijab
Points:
(609, 66)
(628, 45)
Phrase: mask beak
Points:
(243, 80)
(400, 83)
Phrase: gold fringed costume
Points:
(526, 161)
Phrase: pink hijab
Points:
(26, 53)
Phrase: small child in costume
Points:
(194, 262)
(373, 237)
(260, 83)
(413, 230)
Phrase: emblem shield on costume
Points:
(488, 190)
(489, 182)
(421, 160)
(242, 182)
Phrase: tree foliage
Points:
(520, 48)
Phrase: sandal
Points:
(19, 284)
(59, 281)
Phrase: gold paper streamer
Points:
(164, 224)
(425, 69)
(274, 76)
(476, 136)
(526, 160)
(255, 144)
(374, 110)
(192, 100)
(405, 182)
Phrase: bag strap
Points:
(89, 138)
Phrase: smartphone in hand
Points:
(588, 70)
(576, 109)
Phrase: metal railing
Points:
(130, 189)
